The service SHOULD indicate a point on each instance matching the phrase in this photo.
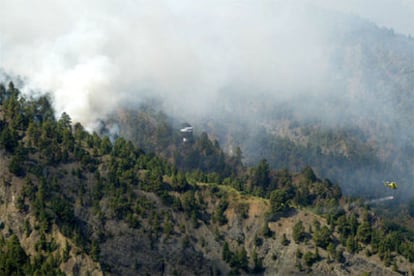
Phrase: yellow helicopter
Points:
(391, 184)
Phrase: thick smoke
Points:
(94, 56)
(97, 55)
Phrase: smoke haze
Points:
(94, 56)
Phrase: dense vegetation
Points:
(154, 132)
(78, 181)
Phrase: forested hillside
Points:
(73, 202)
(356, 129)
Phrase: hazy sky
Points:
(395, 14)
(93, 55)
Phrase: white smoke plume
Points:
(93, 56)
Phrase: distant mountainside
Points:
(72, 202)
(355, 130)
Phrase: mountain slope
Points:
(75, 203)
